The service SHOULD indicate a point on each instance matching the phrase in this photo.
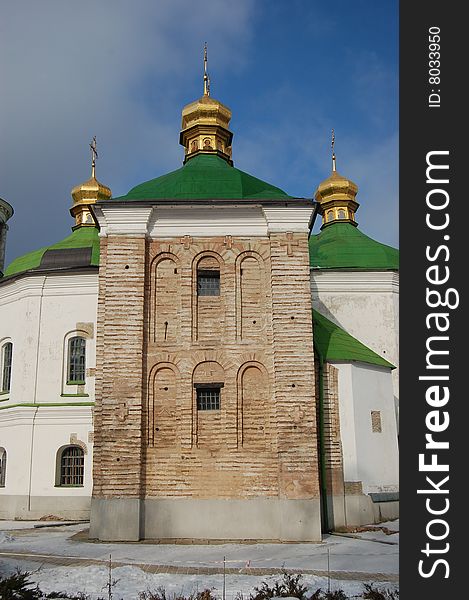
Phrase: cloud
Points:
(116, 69)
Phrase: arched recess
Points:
(207, 292)
(251, 288)
(208, 382)
(253, 406)
(165, 301)
(162, 406)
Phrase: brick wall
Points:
(157, 338)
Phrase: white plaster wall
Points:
(36, 313)
(369, 457)
(366, 305)
(15, 437)
(44, 430)
(54, 427)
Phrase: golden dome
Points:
(205, 122)
(88, 193)
(336, 196)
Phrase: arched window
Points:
(341, 213)
(5, 361)
(76, 360)
(330, 216)
(70, 466)
(3, 466)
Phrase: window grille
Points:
(76, 360)
(208, 283)
(208, 398)
(72, 466)
(7, 352)
(3, 466)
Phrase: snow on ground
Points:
(129, 581)
(345, 554)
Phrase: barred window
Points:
(72, 466)
(5, 360)
(208, 398)
(3, 466)
(76, 360)
(208, 282)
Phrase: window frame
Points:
(3, 466)
(209, 275)
(208, 388)
(4, 365)
(69, 379)
(60, 467)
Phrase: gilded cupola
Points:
(88, 193)
(336, 196)
(204, 128)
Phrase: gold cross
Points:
(94, 156)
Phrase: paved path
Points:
(80, 561)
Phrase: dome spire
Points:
(94, 156)
(88, 193)
(334, 168)
(206, 75)
(205, 122)
(336, 196)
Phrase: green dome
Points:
(80, 249)
(204, 177)
(343, 246)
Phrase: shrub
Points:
(290, 585)
(372, 593)
(18, 587)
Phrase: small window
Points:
(72, 466)
(208, 398)
(341, 213)
(330, 216)
(76, 360)
(208, 283)
(3, 466)
(5, 360)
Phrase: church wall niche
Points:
(162, 407)
(208, 381)
(251, 303)
(253, 407)
(208, 301)
(165, 299)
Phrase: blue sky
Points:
(122, 70)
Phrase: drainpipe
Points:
(322, 456)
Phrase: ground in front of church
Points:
(61, 559)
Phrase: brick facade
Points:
(158, 339)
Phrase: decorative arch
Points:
(162, 406)
(253, 406)
(208, 289)
(250, 295)
(165, 298)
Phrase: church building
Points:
(191, 362)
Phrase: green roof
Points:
(344, 246)
(332, 343)
(83, 237)
(204, 176)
